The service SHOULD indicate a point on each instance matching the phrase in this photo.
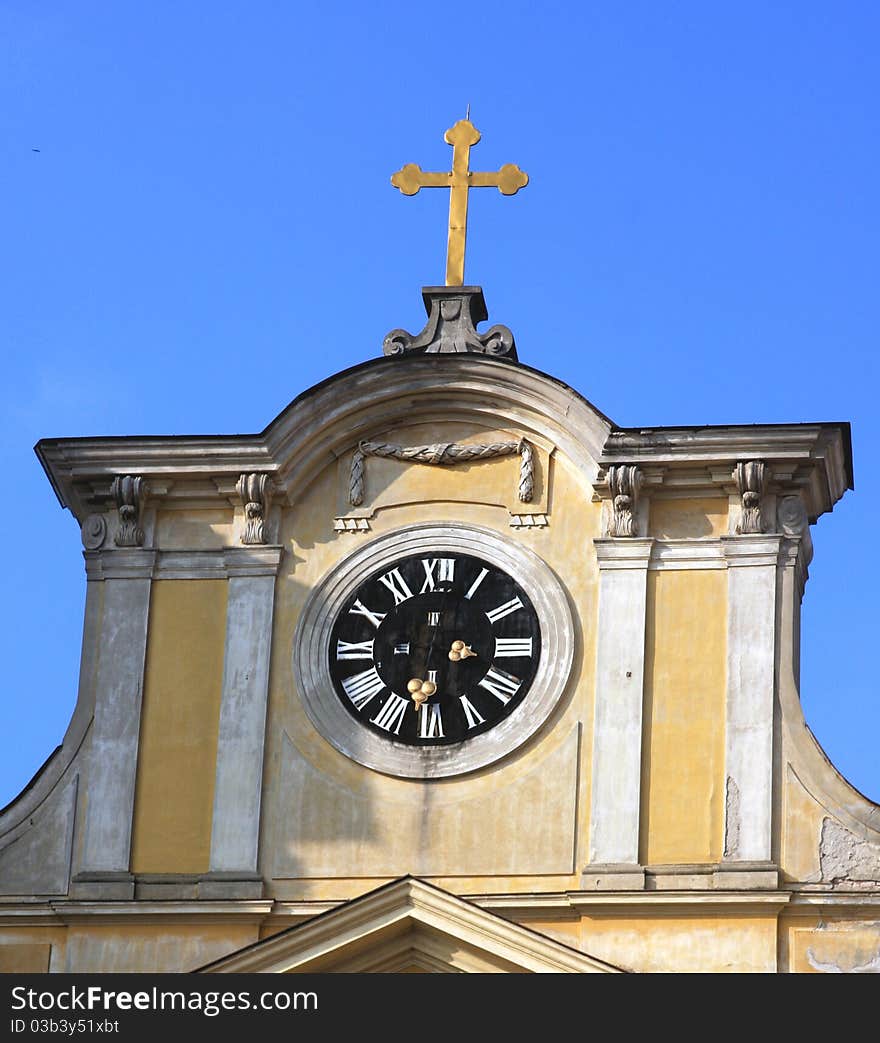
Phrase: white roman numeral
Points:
(355, 649)
(504, 610)
(471, 712)
(476, 583)
(446, 573)
(507, 647)
(501, 684)
(361, 610)
(397, 585)
(391, 714)
(430, 722)
(402, 649)
(361, 688)
(433, 619)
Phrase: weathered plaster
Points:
(846, 859)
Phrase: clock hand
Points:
(418, 689)
(460, 650)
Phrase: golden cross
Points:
(410, 178)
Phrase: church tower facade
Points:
(444, 670)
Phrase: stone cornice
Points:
(326, 422)
(813, 459)
(552, 905)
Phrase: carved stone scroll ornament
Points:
(130, 492)
(444, 453)
(624, 481)
(453, 313)
(93, 531)
(793, 521)
(751, 478)
(255, 491)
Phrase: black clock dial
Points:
(434, 649)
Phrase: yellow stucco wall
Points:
(688, 519)
(328, 822)
(180, 719)
(684, 942)
(685, 685)
(194, 530)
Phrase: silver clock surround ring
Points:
(312, 640)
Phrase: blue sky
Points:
(208, 228)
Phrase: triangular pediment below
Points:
(404, 927)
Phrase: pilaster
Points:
(617, 729)
(127, 577)
(751, 656)
(239, 778)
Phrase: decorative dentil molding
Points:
(528, 521)
(453, 312)
(342, 524)
(255, 491)
(444, 453)
(130, 493)
(751, 479)
(624, 481)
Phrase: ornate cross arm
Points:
(509, 179)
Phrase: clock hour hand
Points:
(420, 690)
(460, 650)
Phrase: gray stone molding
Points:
(241, 737)
(122, 564)
(312, 637)
(751, 663)
(624, 481)
(130, 492)
(751, 481)
(183, 564)
(113, 749)
(255, 491)
(672, 555)
(617, 727)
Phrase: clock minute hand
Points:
(420, 690)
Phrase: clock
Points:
(433, 650)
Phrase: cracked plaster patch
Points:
(847, 859)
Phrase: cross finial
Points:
(509, 179)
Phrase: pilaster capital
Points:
(751, 549)
(632, 553)
(123, 563)
(253, 561)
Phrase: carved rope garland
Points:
(445, 453)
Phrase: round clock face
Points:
(434, 648)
